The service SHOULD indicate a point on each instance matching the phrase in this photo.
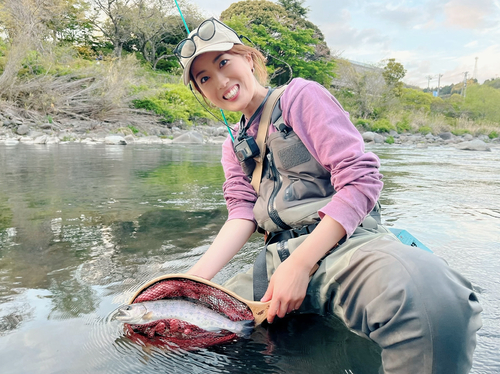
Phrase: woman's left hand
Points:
(287, 288)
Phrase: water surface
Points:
(82, 226)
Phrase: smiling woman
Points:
(316, 201)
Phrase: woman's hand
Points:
(287, 288)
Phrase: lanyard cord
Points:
(245, 125)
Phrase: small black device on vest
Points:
(246, 147)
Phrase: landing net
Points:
(175, 333)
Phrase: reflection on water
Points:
(82, 227)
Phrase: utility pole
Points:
(475, 69)
(429, 77)
(439, 82)
(465, 83)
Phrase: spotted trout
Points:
(183, 310)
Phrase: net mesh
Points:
(177, 333)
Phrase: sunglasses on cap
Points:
(206, 31)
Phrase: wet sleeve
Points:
(238, 192)
(325, 129)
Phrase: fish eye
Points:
(128, 307)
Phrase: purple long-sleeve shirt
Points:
(325, 129)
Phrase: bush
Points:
(382, 125)
(403, 125)
(389, 140)
(460, 132)
(177, 102)
(424, 129)
(364, 124)
(493, 135)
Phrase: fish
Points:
(191, 312)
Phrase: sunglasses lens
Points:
(206, 31)
(186, 48)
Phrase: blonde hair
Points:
(259, 64)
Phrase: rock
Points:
(129, 139)
(11, 141)
(115, 139)
(148, 140)
(22, 130)
(468, 137)
(222, 131)
(379, 139)
(26, 140)
(189, 137)
(369, 136)
(41, 139)
(474, 145)
(446, 135)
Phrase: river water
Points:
(83, 226)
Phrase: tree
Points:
(69, 23)
(283, 41)
(361, 91)
(156, 28)
(117, 27)
(393, 73)
(23, 21)
(295, 7)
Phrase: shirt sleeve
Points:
(325, 129)
(238, 192)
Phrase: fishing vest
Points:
(294, 185)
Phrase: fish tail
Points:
(246, 328)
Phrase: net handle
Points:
(259, 309)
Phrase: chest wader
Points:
(421, 313)
(293, 187)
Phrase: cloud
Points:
(469, 14)
(471, 44)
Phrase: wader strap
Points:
(260, 139)
(260, 280)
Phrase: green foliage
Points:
(133, 129)
(403, 125)
(364, 124)
(482, 101)
(389, 140)
(493, 135)
(424, 130)
(460, 132)
(270, 27)
(176, 102)
(416, 100)
(382, 125)
(393, 73)
(495, 83)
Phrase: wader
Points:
(421, 313)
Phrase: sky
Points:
(429, 37)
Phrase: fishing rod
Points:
(221, 111)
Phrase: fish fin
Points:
(148, 316)
(247, 328)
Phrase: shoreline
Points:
(12, 133)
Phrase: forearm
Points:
(324, 237)
(230, 239)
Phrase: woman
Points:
(319, 181)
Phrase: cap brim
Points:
(219, 47)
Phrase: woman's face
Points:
(226, 79)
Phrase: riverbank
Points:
(144, 129)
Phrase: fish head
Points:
(132, 313)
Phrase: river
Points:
(82, 226)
